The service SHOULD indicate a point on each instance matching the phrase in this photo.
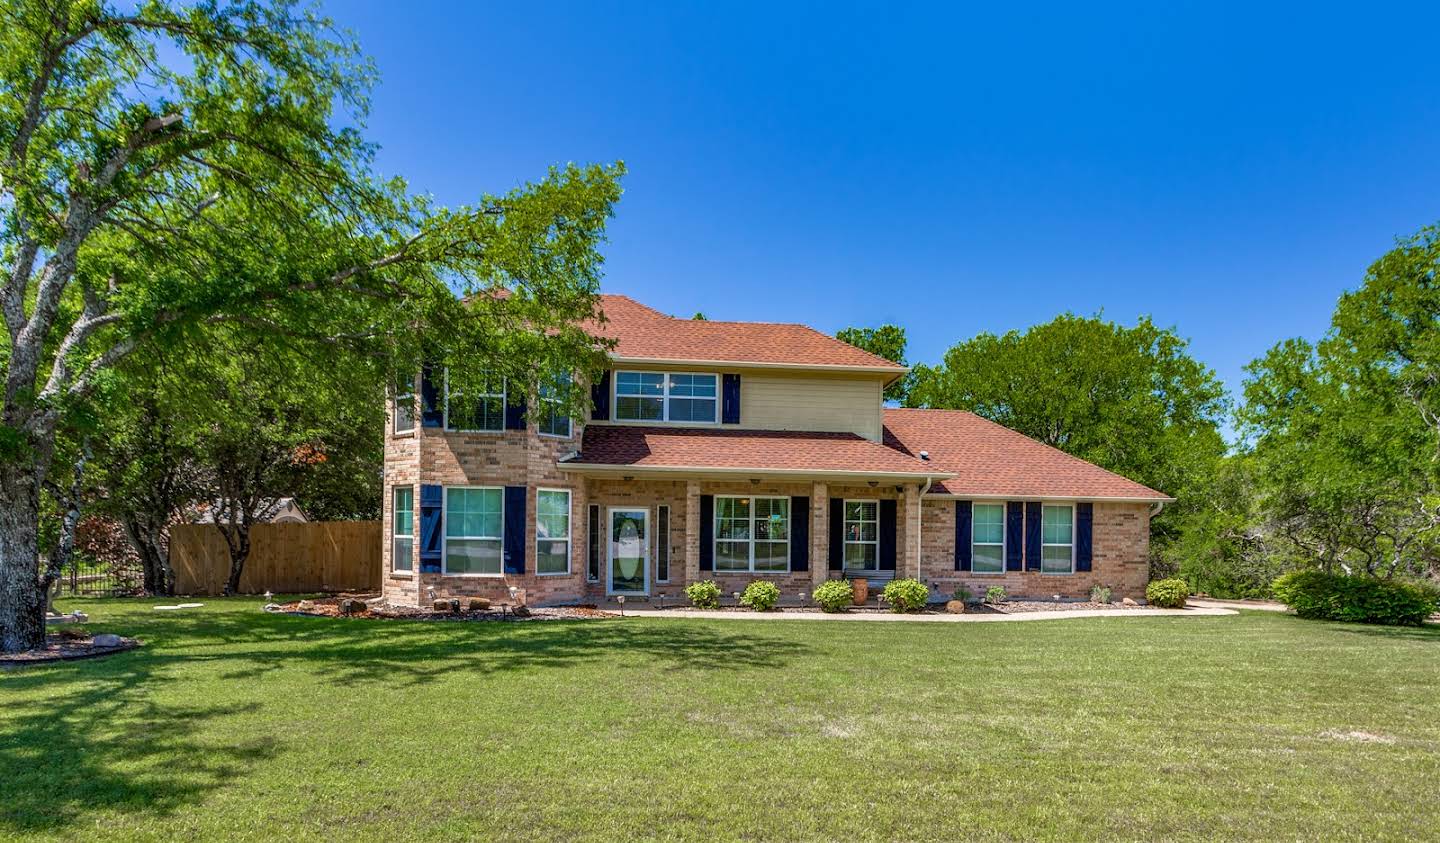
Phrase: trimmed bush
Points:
(906, 595)
(704, 594)
(1099, 594)
(760, 595)
(1358, 599)
(962, 593)
(995, 594)
(833, 595)
(1168, 594)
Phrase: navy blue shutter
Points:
(730, 399)
(1032, 536)
(514, 529)
(964, 514)
(432, 413)
(707, 532)
(837, 533)
(600, 398)
(514, 411)
(431, 524)
(799, 533)
(1014, 534)
(1084, 538)
(887, 534)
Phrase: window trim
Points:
(662, 542)
(445, 532)
(751, 540)
(504, 402)
(569, 532)
(1044, 544)
(845, 539)
(665, 398)
(540, 404)
(399, 398)
(1004, 538)
(409, 571)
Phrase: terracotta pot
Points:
(955, 607)
(859, 591)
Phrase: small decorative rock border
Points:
(69, 645)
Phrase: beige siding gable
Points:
(829, 404)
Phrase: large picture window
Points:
(655, 396)
(402, 530)
(1057, 539)
(483, 409)
(752, 534)
(987, 541)
(552, 531)
(474, 530)
(862, 535)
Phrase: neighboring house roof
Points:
(988, 459)
(742, 451)
(644, 334)
(269, 510)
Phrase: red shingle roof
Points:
(643, 333)
(990, 459)
(760, 451)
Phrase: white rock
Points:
(107, 639)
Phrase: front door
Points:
(629, 552)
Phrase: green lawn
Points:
(232, 723)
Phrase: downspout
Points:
(1156, 507)
(920, 525)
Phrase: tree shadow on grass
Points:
(1429, 633)
(94, 738)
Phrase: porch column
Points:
(692, 531)
(913, 530)
(819, 533)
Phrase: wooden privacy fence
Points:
(284, 558)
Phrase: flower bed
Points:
(329, 607)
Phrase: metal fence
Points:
(86, 577)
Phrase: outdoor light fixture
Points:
(621, 600)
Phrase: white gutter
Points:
(951, 497)
(609, 468)
(893, 370)
(1156, 507)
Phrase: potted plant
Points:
(859, 590)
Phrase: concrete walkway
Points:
(1261, 605)
(1061, 614)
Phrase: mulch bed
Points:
(1009, 607)
(65, 645)
(329, 607)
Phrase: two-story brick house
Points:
(738, 451)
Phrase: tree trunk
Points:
(22, 595)
(237, 539)
(151, 548)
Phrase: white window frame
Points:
(542, 406)
(1044, 544)
(845, 533)
(445, 532)
(750, 541)
(569, 532)
(1004, 515)
(407, 398)
(662, 542)
(504, 402)
(409, 570)
(665, 397)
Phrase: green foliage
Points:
(833, 595)
(962, 593)
(906, 595)
(887, 341)
(700, 317)
(760, 595)
(704, 594)
(1100, 594)
(1357, 599)
(1168, 593)
(995, 594)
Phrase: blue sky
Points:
(1226, 169)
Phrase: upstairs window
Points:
(656, 396)
(987, 546)
(1057, 539)
(482, 410)
(554, 421)
(405, 405)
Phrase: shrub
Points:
(962, 593)
(1099, 594)
(1359, 599)
(833, 595)
(906, 595)
(704, 594)
(995, 594)
(760, 595)
(1168, 593)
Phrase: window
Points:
(752, 534)
(552, 531)
(405, 405)
(862, 535)
(473, 530)
(1057, 539)
(662, 543)
(483, 411)
(987, 538)
(402, 531)
(653, 396)
(554, 421)
(592, 567)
